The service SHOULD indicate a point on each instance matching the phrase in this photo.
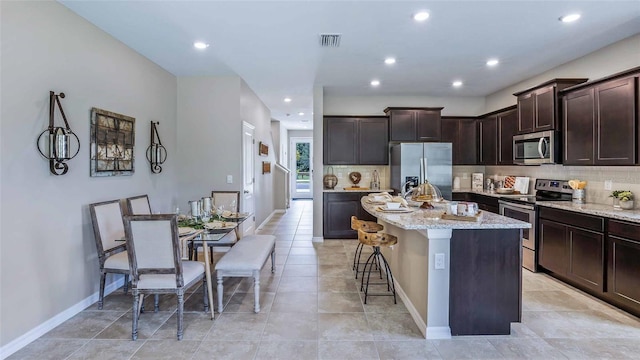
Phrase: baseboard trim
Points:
(438, 332)
(56, 320)
(317, 239)
(262, 224)
(412, 309)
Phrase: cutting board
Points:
(521, 185)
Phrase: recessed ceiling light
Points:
(457, 83)
(421, 16)
(287, 99)
(200, 45)
(492, 62)
(390, 61)
(569, 18)
(375, 82)
(300, 113)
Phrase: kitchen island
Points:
(477, 290)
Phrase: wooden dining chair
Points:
(108, 231)
(138, 205)
(156, 263)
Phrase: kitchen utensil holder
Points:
(579, 196)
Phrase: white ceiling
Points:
(274, 45)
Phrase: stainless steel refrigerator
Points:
(406, 160)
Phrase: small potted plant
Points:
(624, 198)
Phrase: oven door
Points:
(524, 213)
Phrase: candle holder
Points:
(59, 139)
(156, 153)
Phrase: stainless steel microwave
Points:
(537, 148)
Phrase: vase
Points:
(627, 205)
(616, 203)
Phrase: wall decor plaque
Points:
(112, 143)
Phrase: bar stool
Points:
(366, 226)
(376, 240)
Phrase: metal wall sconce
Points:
(60, 144)
(156, 153)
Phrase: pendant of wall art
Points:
(112, 143)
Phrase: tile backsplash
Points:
(622, 177)
(342, 172)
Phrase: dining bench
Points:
(245, 259)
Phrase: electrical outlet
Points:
(229, 179)
(608, 184)
(439, 265)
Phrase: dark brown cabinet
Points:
(623, 265)
(414, 124)
(486, 203)
(507, 127)
(572, 247)
(600, 123)
(488, 142)
(338, 209)
(463, 134)
(356, 140)
(538, 107)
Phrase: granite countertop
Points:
(341, 189)
(421, 219)
(604, 210)
(594, 209)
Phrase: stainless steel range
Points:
(524, 208)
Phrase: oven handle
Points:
(519, 206)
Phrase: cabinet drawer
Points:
(624, 229)
(590, 222)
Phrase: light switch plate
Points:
(608, 184)
(229, 179)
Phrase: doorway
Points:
(301, 150)
(248, 177)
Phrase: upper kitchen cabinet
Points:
(462, 132)
(507, 127)
(538, 107)
(414, 124)
(362, 140)
(601, 121)
(488, 140)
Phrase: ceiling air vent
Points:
(330, 40)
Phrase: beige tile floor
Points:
(312, 309)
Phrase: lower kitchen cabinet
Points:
(623, 265)
(572, 247)
(338, 209)
(486, 203)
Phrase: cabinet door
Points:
(450, 132)
(615, 121)
(553, 246)
(428, 125)
(468, 142)
(526, 112)
(545, 109)
(507, 127)
(340, 137)
(586, 258)
(488, 141)
(338, 209)
(578, 128)
(373, 141)
(402, 125)
(623, 267)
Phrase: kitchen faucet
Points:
(403, 189)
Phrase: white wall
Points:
(48, 257)
(253, 111)
(617, 57)
(374, 105)
(210, 137)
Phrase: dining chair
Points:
(108, 230)
(156, 263)
(138, 205)
(224, 200)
